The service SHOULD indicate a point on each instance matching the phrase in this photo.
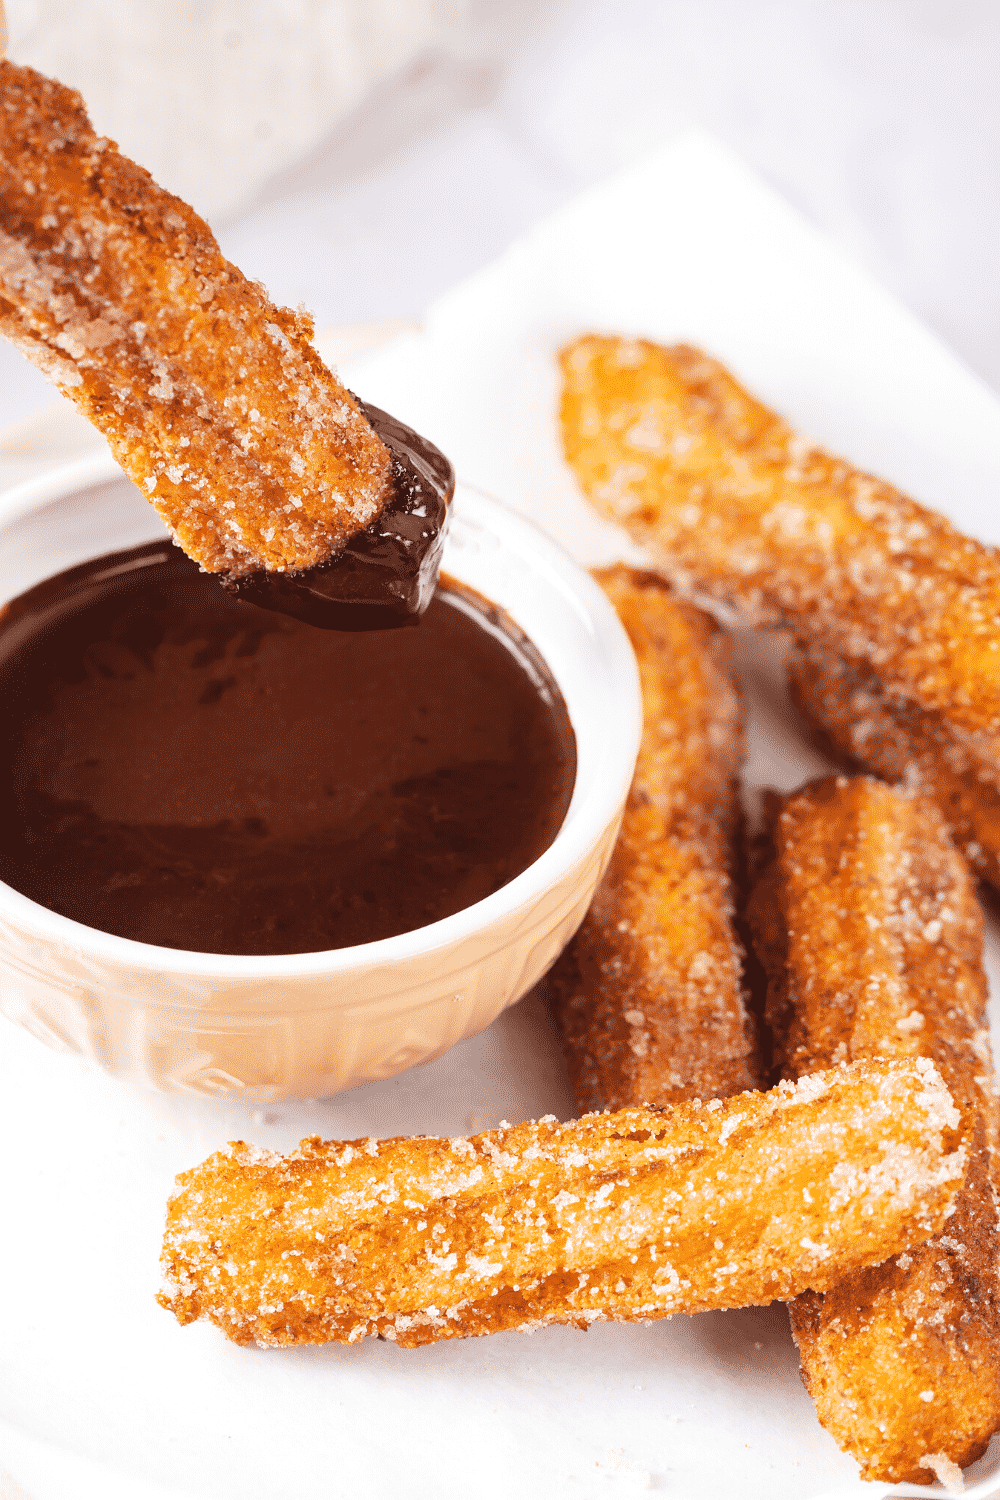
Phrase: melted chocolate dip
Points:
(386, 575)
(185, 769)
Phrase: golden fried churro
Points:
(212, 399)
(632, 1215)
(857, 722)
(648, 994)
(868, 926)
(732, 503)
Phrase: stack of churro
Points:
(864, 917)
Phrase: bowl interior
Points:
(78, 514)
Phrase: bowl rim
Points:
(585, 820)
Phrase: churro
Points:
(857, 723)
(648, 994)
(867, 923)
(212, 399)
(733, 505)
(633, 1215)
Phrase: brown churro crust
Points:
(867, 923)
(648, 994)
(633, 1215)
(734, 505)
(856, 722)
(212, 399)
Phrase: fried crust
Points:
(212, 399)
(734, 505)
(856, 722)
(648, 994)
(867, 923)
(633, 1215)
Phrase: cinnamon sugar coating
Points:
(648, 994)
(633, 1215)
(213, 400)
(856, 722)
(867, 923)
(734, 505)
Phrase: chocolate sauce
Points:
(386, 575)
(186, 770)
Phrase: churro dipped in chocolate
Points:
(213, 400)
(867, 923)
(732, 504)
(632, 1215)
(857, 723)
(648, 994)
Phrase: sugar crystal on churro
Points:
(633, 1215)
(734, 505)
(856, 721)
(648, 994)
(867, 923)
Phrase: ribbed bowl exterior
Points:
(310, 1025)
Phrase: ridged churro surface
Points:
(648, 994)
(632, 1215)
(868, 926)
(859, 723)
(212, 399)
(732, 503)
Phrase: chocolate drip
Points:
(386, 575)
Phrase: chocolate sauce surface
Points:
(386, 575)
(185, 769)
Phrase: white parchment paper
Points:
(102, 1394)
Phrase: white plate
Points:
(104, 1395)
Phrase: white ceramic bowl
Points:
(311, 1024)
